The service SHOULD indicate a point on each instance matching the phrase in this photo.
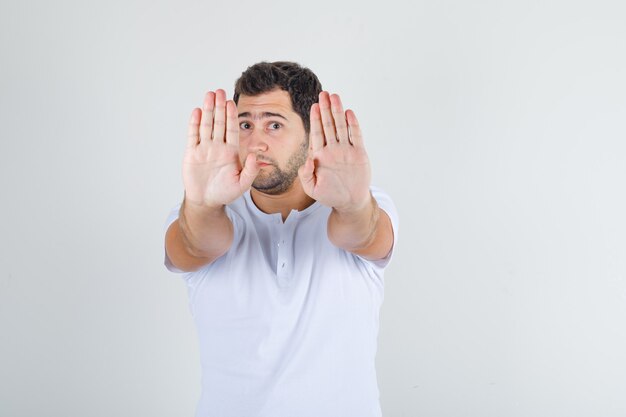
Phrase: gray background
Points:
(497, 127)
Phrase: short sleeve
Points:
(386, 204)
(173, 215)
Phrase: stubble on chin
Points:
(277, 180)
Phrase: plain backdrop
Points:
(498, 127)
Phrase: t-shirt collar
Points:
(295, 214)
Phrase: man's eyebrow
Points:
(263, 115)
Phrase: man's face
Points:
(274, 132)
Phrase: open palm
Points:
(337, 171)
(212, 172)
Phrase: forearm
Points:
(355, 229)
(366, 232)
(198, 237)
(204, 231)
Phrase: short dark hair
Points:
(301, 83)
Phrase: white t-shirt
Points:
(287, 322)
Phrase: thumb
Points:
(307, 176)
(249, 172)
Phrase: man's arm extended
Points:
(337, 174)
(366, 232)
(199, 236)
(213, 177)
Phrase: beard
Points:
(279, 180)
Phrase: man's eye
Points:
(244, 125)
(275, 126)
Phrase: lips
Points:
(263, 163)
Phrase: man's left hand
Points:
(337, 171)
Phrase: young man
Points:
(283, 245)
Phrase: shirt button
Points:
(283, 265)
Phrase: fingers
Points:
(316, 137)
(341, 128)
(206, 124)
(216, 121)
(232, 123)
(219, 118)
(328, 124)
(249, 172)
(193, 136)
(356, 138)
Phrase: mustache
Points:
(265, 160)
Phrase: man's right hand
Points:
(212, 172)
(213, 177)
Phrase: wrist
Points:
(358, 209)
(200, 206)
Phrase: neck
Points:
(293, 199)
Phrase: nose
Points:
(256, 142)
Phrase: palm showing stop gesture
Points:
(337, 171)
(212, 172)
